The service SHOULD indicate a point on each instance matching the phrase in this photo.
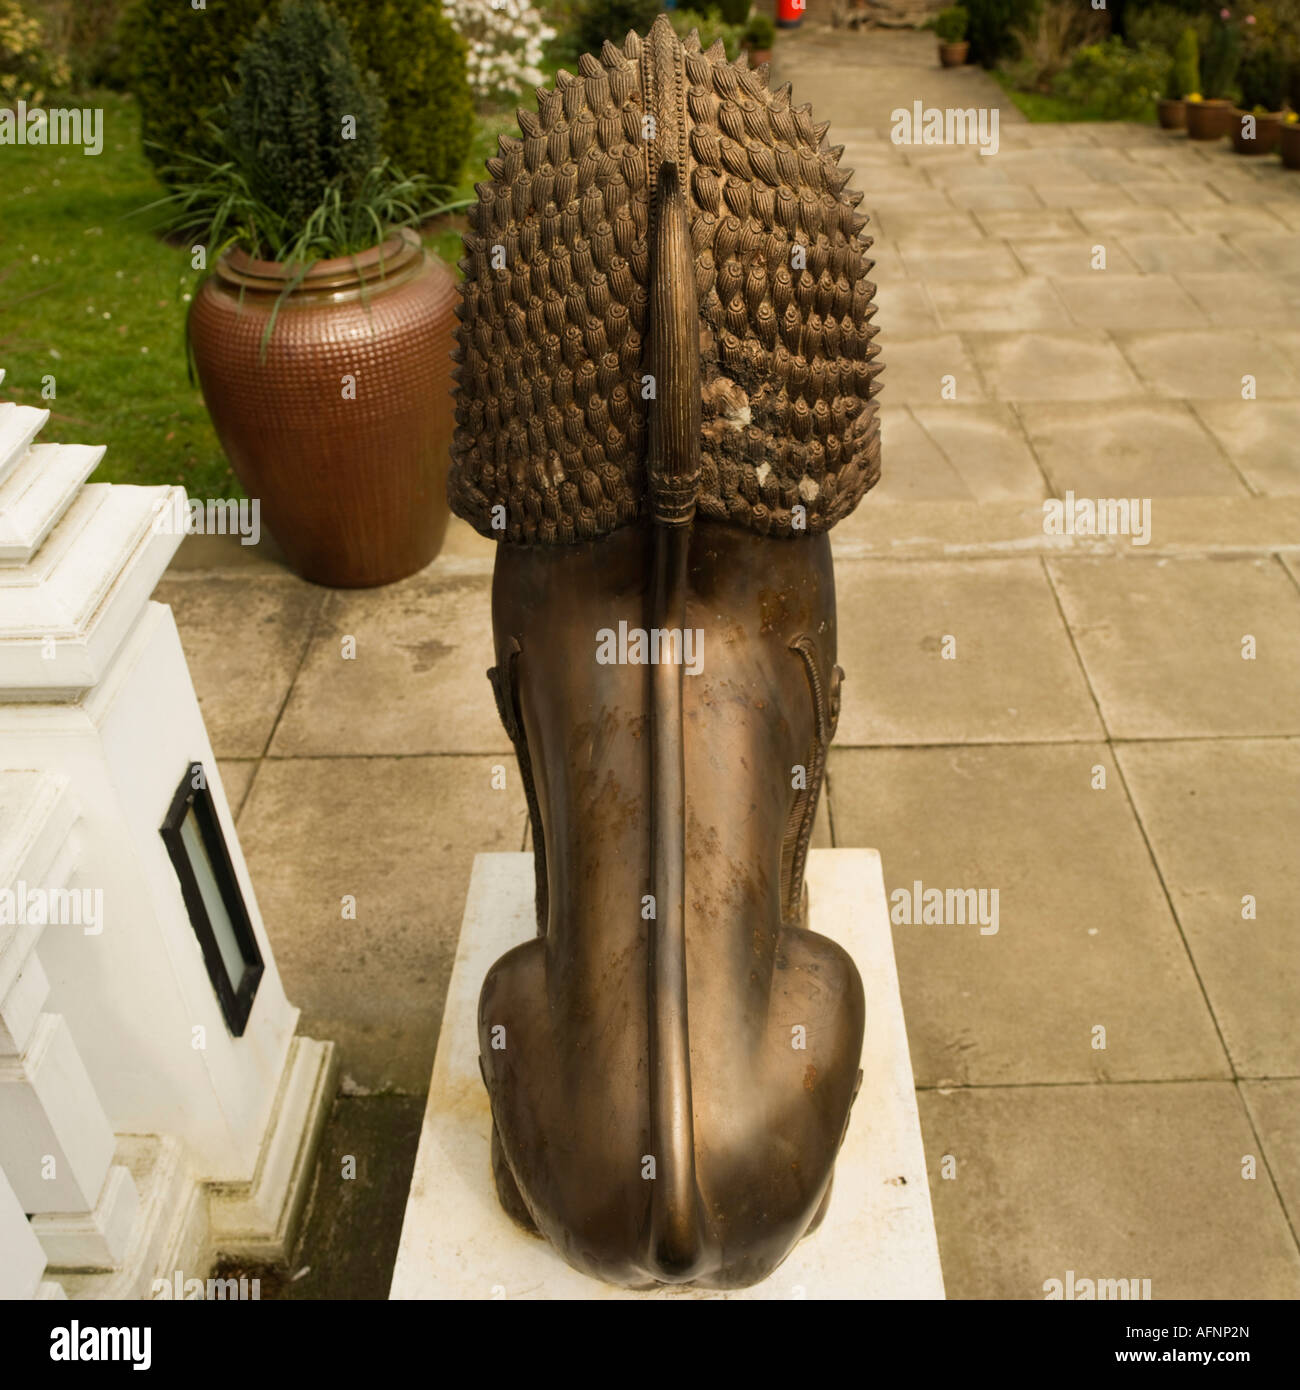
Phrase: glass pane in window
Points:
(222, 927)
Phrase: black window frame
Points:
(236, 1004)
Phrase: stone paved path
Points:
(1097, 748)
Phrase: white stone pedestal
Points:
(139, 1136)
(877, 1240)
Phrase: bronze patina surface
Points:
(664, 402)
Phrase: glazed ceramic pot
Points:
(1209, 120)
(1265, 136)
(337, 415)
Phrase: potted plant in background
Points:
(950, 29)
(760, 35)
(1258, 120)
(1184, 78)
(322, 337)
(1210, 109)
(1289, 135)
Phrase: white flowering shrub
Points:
(505, 40)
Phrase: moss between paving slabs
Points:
(348, 1245)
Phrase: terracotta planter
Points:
(1289, 144)
(1209, 120)
(759, 56)
(1171, 113)
(351, 478)
(953, 55)
(1268, 130)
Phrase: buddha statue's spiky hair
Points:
(551, 399)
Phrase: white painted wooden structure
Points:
(137, 1136)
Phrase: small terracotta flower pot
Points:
(1266, 133)
(1171, 113)
(953, 55)
(1209, 120)
(1289, 144)
(759, 56)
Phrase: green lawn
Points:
(90, 295)
(1040, 106)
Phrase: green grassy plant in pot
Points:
(759, 36)
(950, 29)
(1258, 124)
(1183, 79)
(322, 338)
(1210, 110)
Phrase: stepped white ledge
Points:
(37, 847)
(36, 494)
(95, 1239)
(19, 425)
(65, 613)
(258, 1220)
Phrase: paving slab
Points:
(1274, 1108)
(398, 835)
(1245, 299)
(1288, 213)
(998, 305)
(1079, 134)
(417, 682)
(1222, 218)
(1114, 166)
(1082, 365)
(1031, 223)
(243, 638)
(1176, 254)
(992, 197)
(1138, 220)
(1271, 252)
(1162, 642)
(1111, 299)
(857, 79)
(1262, 438)
(1068, 255)
(1127, 135)
(983, 260)
(1177, 194)
(945, 228)
(1240, 188)
(237, 776)
(1014, 675)
(882, 201)
(1136, 448)
(904, 308)
(923, 470)
(986, 448)
(915, 368)
(886, 265)
(1197, 365)
(1111, 1182)
(1220, 816)
(1081, 194)
(1085, 940)
(1039, 166)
